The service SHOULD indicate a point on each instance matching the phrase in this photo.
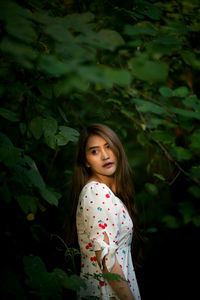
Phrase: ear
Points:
(87, 164)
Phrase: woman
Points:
(105, 212)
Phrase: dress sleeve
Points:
(100, 216)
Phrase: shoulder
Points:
(95, 188)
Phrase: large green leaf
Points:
(68, 133)
(149, 70)
(49, 196)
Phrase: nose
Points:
(104, 154)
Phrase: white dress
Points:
(99, 211)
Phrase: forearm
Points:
(121, 287)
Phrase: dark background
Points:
(134, 66)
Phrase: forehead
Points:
(95, 140)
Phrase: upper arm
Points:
(101, 222)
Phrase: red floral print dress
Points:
(100, 211)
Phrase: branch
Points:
(167, 154)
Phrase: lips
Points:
(108, 165)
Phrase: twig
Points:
(167, 154)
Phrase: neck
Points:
(109, 181)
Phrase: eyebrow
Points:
(93, 147)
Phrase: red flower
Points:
(107, 196)
(101, 283)
(82, 266)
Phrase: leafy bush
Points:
(133, 67)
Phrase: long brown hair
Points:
(81, 174)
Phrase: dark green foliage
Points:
(64, 64)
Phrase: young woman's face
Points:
(99, 157)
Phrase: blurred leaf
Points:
(49, 126)
(171, 222)
(166, 91)
(149, 70)
(187, 210)
(23, 55)
(151, 188)
(192, 102)
(68, 133)
(195, 172)
(181, 92)
(9, 154)
(49, 196)
(159, 176)
(111, 38)
(180, 153)
(36, 127)
(185, 113)
(195, 140)
(166, 137)
(147, 106)
(9, 115)
(142, 28)
(27, 203)
(195, 191)
(51, 65)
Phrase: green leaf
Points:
(112, 39)
(49, 196)
(151, 188)
(195, 172)
(171, 222)
(27, 203)
(113, 276)
(159, 176)
(192, 102)
(50, 127)
(9, 154)
(69, 133)
(9, 115)
(74, 282)
(29, 171)
(195, 140)
(149, 70)
(187, 210)
(181, 92)
(166, 137)
(147, 106)
(61, 140)
(180, 153)
(36, 127)
(43, 284)
(142, 28)
(22, 54)
(117, 76)
(51, 65)
(51, 141)
(185, 113)
(166, 91)
(195, 191)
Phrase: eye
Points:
(94, 152)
